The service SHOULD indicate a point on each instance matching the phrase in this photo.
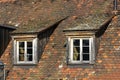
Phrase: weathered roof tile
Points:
(33, 15)
(6, 1)
(91, 22)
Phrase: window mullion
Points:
(25, 48)
(81, 58)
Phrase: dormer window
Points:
(82, 37)
(80, 47)
(25, 50)
(28, 46)
(81, 50)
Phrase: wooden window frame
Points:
(16, 51)
(91, 48)
(25, 52)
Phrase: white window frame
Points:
(34, 50)
(91, 50)
(25, 52)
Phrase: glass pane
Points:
(21, 51)
(29, 58)
(29, 51)
(85, 49)
(21, 44)
(29, 44)
(86, 57)
(29, 47)
(76, 42)
(76, 55)
(76, 49)
(21, 57)
(86, 42)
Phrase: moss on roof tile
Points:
(90, 22)
(31, 15)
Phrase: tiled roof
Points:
(33, 15)
(91, 22)
(5, 1)
(38, 28)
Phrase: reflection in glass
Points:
(21, 51)
(76, 49)
(76, 53)
(25, 51)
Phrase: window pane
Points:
(86, 57)
(29, 47)
(76, 50)
(29, 44)
(29, 51)
(21, 44)
(86, 42)
(21, 57)
(29, 57)
(76, 53)
(76, 42)
(85, 49)
(21, 51)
